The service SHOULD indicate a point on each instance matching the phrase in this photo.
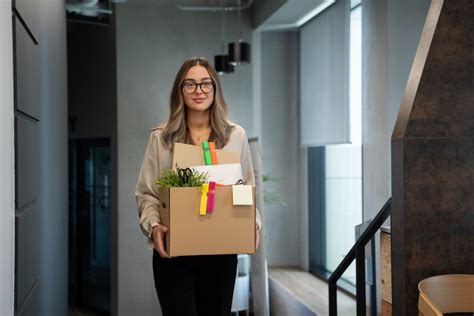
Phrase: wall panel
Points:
(28, 251)
(29, 12)
(27, 135)
(28, 83)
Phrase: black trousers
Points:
(195, 285)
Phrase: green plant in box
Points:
(182, 177)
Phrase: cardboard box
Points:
(229, 229)
(185, 155)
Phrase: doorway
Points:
(89, 224)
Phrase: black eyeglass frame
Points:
(200, 86)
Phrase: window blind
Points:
(324, 77)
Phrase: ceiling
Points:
(294, 13)
(284, 15)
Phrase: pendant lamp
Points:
(239, 52)
(222, 65)
(221, 62)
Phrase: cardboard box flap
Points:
(185, 155)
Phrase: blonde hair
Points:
(176, 129)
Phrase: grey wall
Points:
(53, 289)
(275, 57)
(390, 33)
(153, 39)
(7, 203)
(279, 126)
(403, 41)
(375, 133)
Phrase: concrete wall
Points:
(403, 41)
(375, 133)
(54, 161)
(280, 145)
(153, 39)
(276, 103)
(391, 31)
(7, 185)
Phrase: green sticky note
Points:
(207, 153)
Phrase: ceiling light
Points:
(239, 52)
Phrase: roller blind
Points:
(324, 81)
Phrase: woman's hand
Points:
(158, 236)
(257, 238)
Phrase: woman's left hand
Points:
(257, 238)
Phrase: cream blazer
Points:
(157, 158)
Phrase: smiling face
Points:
(198, 89)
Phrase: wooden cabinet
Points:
(386, 271)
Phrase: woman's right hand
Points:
(158, 236)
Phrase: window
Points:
(335, 185)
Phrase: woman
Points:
(190, 285)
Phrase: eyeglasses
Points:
(191, 87)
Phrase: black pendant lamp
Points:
(222, 65)
(239, 52)
(221, 62)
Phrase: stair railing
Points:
(357, 253)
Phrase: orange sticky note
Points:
(212, 148)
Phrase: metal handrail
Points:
(357, 252)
